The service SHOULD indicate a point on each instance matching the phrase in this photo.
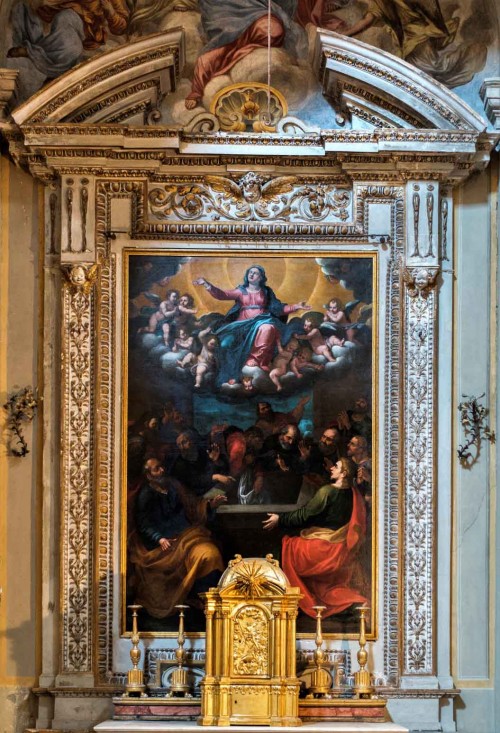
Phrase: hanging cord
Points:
(268, 62)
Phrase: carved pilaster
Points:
(77, 469)
(420, 271)
(419, 470)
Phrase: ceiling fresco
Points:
(231, 42)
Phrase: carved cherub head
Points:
(251, 187)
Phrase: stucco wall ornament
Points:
(21, 407)
(254, 107)
(253, 196)
(472, 417)
(78, 362)
(419, 482)
(81, 277)
(420, 280)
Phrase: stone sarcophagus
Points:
(250, 647)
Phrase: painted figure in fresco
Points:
(251, 327)
(164, 314)
(322, 456)
(74, 27)
(233, 29)
(173, 313)
(171, 549)
(357, 451)
(184, 341)
(335, 314)
(337, 326)
(320, 13)
(206, 362)
(425, 38)
(303, 360)
(319, 561)
(285, 462)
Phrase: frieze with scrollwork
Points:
(251, 197)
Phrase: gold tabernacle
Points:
(250, 675)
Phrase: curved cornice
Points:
(123, 85)
(386, 91)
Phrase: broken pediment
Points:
(374, 89)
(123, 99)
(123, 86)
(135, 84)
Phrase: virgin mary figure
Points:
(250, 330)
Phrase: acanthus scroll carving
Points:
(419, 472)
(77, 473)
(251, 197)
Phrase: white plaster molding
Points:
(490, 94)
(419, 481)
(389, 82)
(110, 83)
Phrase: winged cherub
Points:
(252, 192)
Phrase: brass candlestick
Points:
(321, 679)
(135, 686)
(179, 686)
(362, 679)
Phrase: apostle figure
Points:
(320, 560)
(171, 549)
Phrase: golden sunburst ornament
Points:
(253, 578)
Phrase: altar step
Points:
(174, 726)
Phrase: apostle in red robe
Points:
(320, 560)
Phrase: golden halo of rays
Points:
(293, 279)
(325, 291)
(299, 281)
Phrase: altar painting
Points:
(250, 421)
